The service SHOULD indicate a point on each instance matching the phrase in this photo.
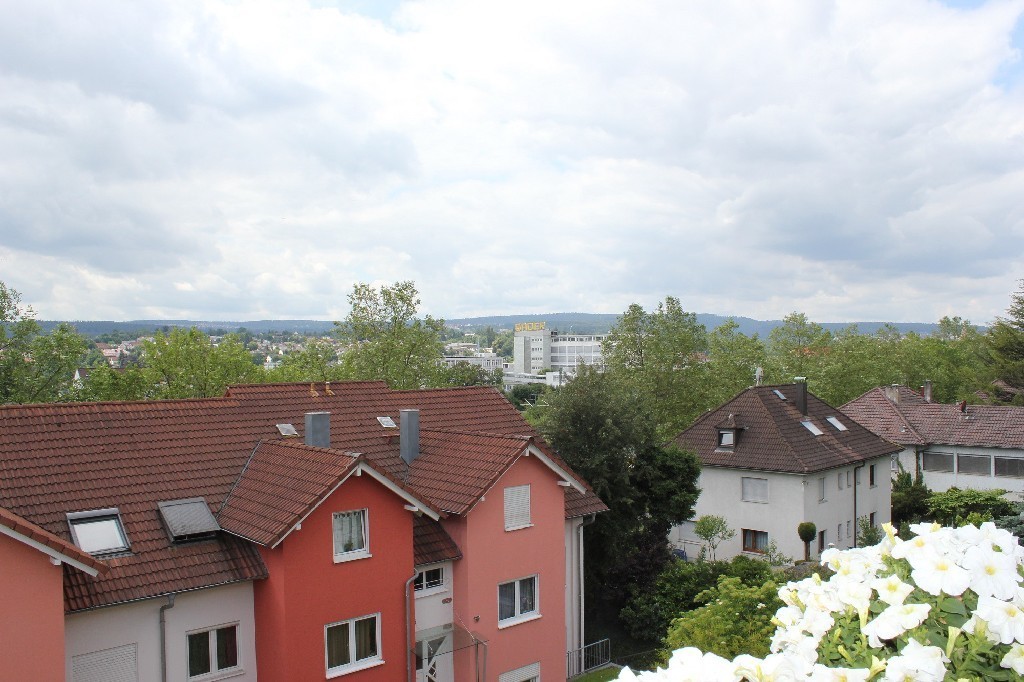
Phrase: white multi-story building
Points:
(536, 348)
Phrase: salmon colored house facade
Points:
(287, 532)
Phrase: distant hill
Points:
(581, 323)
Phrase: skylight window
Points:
(98, 532)
(188, 519)
(726, 438)
(778, 393)
(287, 430)
(812, 427)
(387, 422)
(834, 421)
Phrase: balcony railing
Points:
(589, 657)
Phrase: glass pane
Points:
(974, 464)
(227, 648)
(348, 532)
(506, 601)
(198, 653)
(366, 638)
(101, 535)
(527, 595)
(1010, 466)
(937, 461)
(337, 645)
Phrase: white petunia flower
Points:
(891, 590)
(894, 621)
(936, 574)
(822, 673)
(1014, 659)
(917, 663)
(1004, 621)
(992, 573)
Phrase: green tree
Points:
(317, 361)
(714, 530)
(385, 339)
(733, 359)
(715, 627)
(106, 383)
(807, 531)
(34, 367)
(597, 424)
(1005, 342)
(953, 507)
(186, 364)
(798, 347)
(504, 344)
(467, 374)
(661, 356)
(868, 535)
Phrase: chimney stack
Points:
(927, 390)
(893, 393)
(318, 429)
(800, 387)
(409, 435)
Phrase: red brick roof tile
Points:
(771, 435)
(431, 542)
(911, 420)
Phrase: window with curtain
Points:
(517, 599)
(352, 643)
(755, 540)
(350, 535)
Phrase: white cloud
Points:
(849, 159)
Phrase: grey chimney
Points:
(318, 429)
(409, 434)
(800, 387)
(893, 393)
(927, 390)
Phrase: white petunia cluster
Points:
(915, 609)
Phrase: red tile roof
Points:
(771, 435)
(61, 458)
(431, 542)
(62, 548)
(903, 416)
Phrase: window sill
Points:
(755, 501)
(431, 591)
(220, 675)
(354, 667)
(351, 556)
(525, 525)
(509, 622)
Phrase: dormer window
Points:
(726, 438)
(99, 532)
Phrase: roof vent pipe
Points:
(318, 429)
(800, 386)
(409, 434)
(927, 390)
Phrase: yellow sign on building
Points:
(530, 327)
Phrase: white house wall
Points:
(139, 623)
(940, 481)
(837, 508)
(434, 606)
(573, 585)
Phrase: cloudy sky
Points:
(248, 159)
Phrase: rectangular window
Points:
(726, 438)
(755, 540)
(894, 462)
(937, 461)
(754, 489)
(849, 483)
(977, 465)
(848, 534)
(517, 507)
(1009, 467)
(352, 644)
(350, 535)
(212, 651)
(517, 599)
(871, 519)
(840, 479)
(871, 475)
(528, 673)
(821, 489)
(429, 579)
(98, 532)
(839, 532)
(821, 541)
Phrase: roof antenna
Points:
(758, 376)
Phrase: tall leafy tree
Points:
(1005, 343)
(34, 367)
(317, 361)
(733, 359)
(186, 364)
(600, 427)
(660, 355)
(386, 341)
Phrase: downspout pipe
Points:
(855, 520)
(409, 671)
(163, 636)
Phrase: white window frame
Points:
(821, 489)
(357, 552)
(520, 616)
(527, 673)
(354, 664)
(214, 673)
(748, 496)
(423, 587)
(517, 507)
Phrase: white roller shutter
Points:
(517, 507)
(524, 674)
(119, 664)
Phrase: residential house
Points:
(776, 456)
(295, 531)
(967, 446)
